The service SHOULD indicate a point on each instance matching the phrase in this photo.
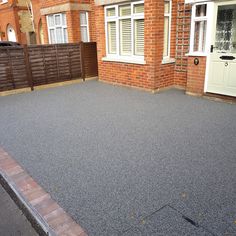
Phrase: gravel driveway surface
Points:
(126, 162)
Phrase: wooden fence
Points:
(30, 66)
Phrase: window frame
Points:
(195, 19)
(57, 26)
(169, 15)
(87, 25)
(116, 19)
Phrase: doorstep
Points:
(43, 212)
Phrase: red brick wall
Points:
(196, 75)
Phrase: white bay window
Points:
(57, 28)
(125, 31)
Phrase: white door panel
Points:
(222, 65)
(232, 75)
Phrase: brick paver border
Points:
(44, 213)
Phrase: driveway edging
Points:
(47, 217)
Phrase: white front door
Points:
(222, 64)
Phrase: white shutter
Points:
(125, 37)
(139, 37)
(111, 37)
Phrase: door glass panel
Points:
(226, 28)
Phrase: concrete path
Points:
(12, 220)
(126, 162)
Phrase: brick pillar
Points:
(196, 75)
(45, 29)
(73, 26)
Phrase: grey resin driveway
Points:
(127, 162)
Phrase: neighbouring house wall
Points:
(196, 75)
(72, 10)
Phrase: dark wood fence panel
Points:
(13, 71)
(90, 59)
(45, 64)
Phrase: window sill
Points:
(168, 60)
(125, 60)
(196, 54)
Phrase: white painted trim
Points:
(127, 59)
(168, 61)
(210, 25)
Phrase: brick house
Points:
(39, 21)
(15, 21)
(154, 44)
(150, 44)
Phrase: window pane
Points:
(226, 28)
(139, 8)
(50, 21)
(125, 37)
(201, 10)
(111, 12)
(125, 10)
(83, 18)
(57, 19)
(65, 35)
(52, 35)
(84, 33)
(139, 37)
(63, 19)
(111, 31)
(167, 7)
(59, 38)
(199, 36)
(166, 36)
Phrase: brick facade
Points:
(153, 75)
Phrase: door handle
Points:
(212, 48)
(227, 58)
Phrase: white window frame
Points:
(3, 2)
(207, 19)
(57, 26)
(134, 16)
(87, 25)
(169, 33)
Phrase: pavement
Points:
(12, 220)
(126, 162)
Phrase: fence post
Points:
(28, 67)
(82, 60)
